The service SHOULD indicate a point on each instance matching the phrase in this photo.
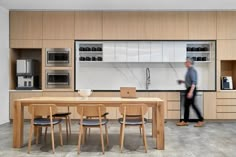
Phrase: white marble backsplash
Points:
(164, 76)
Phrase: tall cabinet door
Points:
(26, 24)
(58, 25)
(226, 25)
(202, 25)
(88, 25)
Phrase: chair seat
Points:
(62, 114)
(133, 121)
(93, 122)
(46, 121)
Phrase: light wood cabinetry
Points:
(88, 25)
(166, 25)
(58, 25)
(26, 43)
(122, 25)
(173, 105)
(26, 25)
(209, 101)
(225, 49)
(226, 105)
(20, 95)
(202, 25)
(226, 25)
(70, 68)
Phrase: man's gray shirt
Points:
(191, 77)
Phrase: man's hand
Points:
(180, 81)
(190, 95)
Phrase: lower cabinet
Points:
(173, 105)
(226, 105)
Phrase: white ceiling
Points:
(119, 4)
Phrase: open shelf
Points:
(228, 68)
(15, 54)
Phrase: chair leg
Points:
(30, 137)
(120, 133)
(45, 135)
(69, 124)
(122, 138)
(102, 140)
(60, 133)
(107, 142)
(144, 138)
(83, 135)
(37, 135)
(66, 120)
(52, 136)
(140, 130)
(79, 139)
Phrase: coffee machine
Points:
(27, 74)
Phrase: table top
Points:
(90, 100)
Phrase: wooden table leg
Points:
(154, 122)
(160, 143)
(18, 128)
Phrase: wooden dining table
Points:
(156, 104)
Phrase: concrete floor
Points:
(215, 139)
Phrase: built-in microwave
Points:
(58, 56)
(58, 78)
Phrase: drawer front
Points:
(173, 105)
(226, 94)
(173, 115)
(229, 109)
(226, 115)
(225, 102)
(173, 96)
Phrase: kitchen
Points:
(107, 46)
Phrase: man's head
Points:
(188, 62)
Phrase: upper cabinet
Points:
(166, 25)
(88, 25)
(145, 25)
(202, 25)
(122, 25)
(226, 25)
(58, 25)
(26, 25)
(226, 49)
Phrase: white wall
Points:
(4, 63)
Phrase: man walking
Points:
(190, 93)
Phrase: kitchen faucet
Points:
(148, 78)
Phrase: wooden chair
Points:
(38, 112)
(96, 111)
(66, 116)
(132, 115)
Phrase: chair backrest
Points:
(91, 110)
(133, 109)
(42, 109)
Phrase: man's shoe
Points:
(199, 124)
(182, 123)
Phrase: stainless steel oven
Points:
(58, 78)
(58, 57)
